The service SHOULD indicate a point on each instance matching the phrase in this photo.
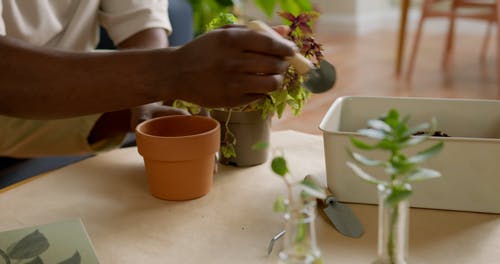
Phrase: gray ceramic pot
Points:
(248, 128)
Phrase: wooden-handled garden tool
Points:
(318, 79)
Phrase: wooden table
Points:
(231, 224)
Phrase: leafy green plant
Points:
(292, 6)
(393, 135)
(309, 188)
(292, 94)
(294, 204)
(204, 11)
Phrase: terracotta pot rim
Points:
(211, 131)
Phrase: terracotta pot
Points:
(179, 153)
(248, 128)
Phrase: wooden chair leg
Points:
(405, 5)
(486, 42)
(450, 37)
(416, 42)
(498, 49)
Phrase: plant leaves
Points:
(280, 108)
(416, 140)
(267, 6)
(363, 175)
(29, 246)
(364, 160)
(401, 127)
(360, 144)
(300, 231)
(75, 259)
(278, 165)
(290, 6)
(204, 12)
(225, 2)
(279, 205)
(372, 133)
(419, 128)
(221, 20)
(379, 125)
(305, 5)
(400, 167)
(286, 15)
(228, 151)
(398, 194)
(262, 145)
(312, 188)
(387, 144)
(426, 154)
(423, 174)
(318, 260)
(392, 118)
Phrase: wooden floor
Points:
(365, 66)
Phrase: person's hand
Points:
(282, 30)
(145, 112)
(230, 67)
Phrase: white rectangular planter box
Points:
(469, 162)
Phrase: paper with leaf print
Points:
(64, 242)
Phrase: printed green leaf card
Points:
(64, 242)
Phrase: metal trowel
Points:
(318, 79)
(339, 215)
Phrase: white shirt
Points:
(74, 24)
(71, 25)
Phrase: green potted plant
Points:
(207, 10)
(391, 134)
(245, 125)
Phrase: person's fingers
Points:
(255, 63)
(282, 30)
(259, 42)
(231, 67)
(255, 84)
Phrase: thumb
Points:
(282, 30)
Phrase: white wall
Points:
(352, 16)
(362, 16)
(341, 16)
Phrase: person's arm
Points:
(226, 67)
(151, 38)
(118, 122)
(43, 83)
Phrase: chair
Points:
(485, 10)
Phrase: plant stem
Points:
(290, 193)
(227, 124)
(392, 225)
